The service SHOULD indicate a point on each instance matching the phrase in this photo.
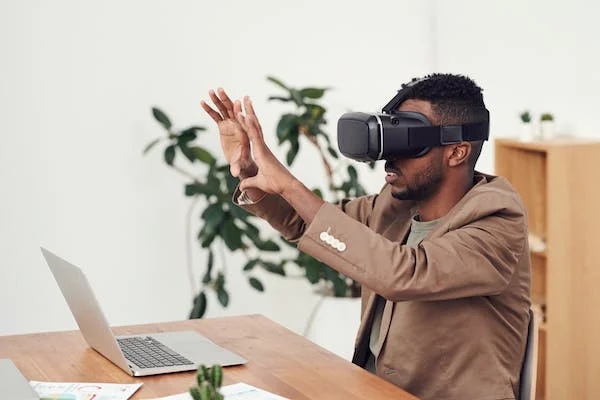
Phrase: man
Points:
(441, 251)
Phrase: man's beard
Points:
(427, 184)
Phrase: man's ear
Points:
(458, 154)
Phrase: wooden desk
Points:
(279, 361)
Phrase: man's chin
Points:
(401, 194)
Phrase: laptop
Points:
(13, 384)
(138, 355)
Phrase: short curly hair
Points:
(455, 99)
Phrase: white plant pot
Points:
(547, 129)
(334, 325)
(528, 133)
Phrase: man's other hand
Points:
(234, 141)
(271, 176)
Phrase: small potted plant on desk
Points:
(209, 382)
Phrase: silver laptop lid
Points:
(13, 384)
(87, 312)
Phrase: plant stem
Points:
(188, 242)
(313, 314)
(224, 264)
(185, 173)
(328, 170)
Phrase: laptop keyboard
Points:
(147, 352)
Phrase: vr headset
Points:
(400, 134)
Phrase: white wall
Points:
(541, 55)
(78, 80)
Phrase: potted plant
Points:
(528, 132)
(209, 381)
(546, 125)
(225, 227)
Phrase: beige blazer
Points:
(455, 321)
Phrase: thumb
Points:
(235, 164)
(247, 183)
(234, 168)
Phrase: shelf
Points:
(543, 145)
(556, 185)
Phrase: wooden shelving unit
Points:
(559, 182)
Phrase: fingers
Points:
(213, 114)
(235, 169)
(251, 114)
(248, 183)
(226, 102)
(239, 116)
(219, 104)
(251, 124)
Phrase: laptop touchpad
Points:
(198, 348)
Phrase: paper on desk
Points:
(84, 391)
(237, 391)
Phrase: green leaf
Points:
(186, 136)
(207, 239)
(187, 152)
(170, 154)
(292, 153)
(151, 145)
(277, 82)
(251, 264)
(331, 151)
(203, 155)
(231, 182)
(213, 214)
(352, 172)
(297, 97)
(231, 234)
(213, 182)
(223, 297)
(220, 281)
(312, 93)
(256, 284)
(194, 128)
(252, 232)
(315, 111)
(280, 98)
(339, 284)
(199, 306)
(192, 189)
(239, 213)
(273, 268)
(208, 275)
(161, 117)
(287, 124)
(269, 245)
(318, 192)
(312, 270)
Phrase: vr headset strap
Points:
(426, 136)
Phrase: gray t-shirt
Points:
(418, 231)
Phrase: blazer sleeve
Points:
(283, 218)
(477, 259)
